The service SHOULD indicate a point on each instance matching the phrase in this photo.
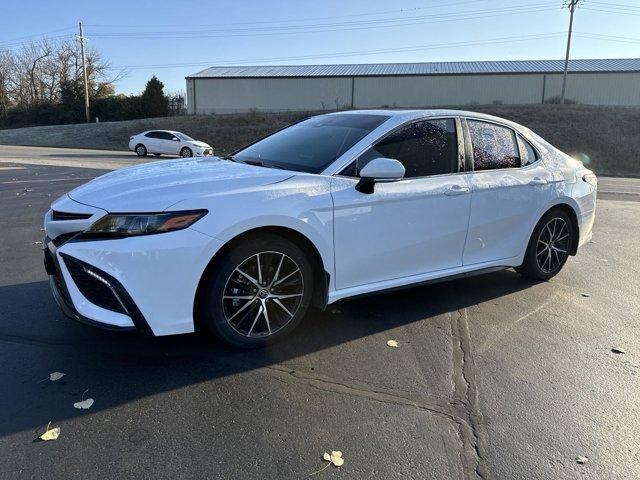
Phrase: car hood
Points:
(198, 143)
(154, 187)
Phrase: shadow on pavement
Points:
(122, 367)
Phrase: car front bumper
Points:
(146, 283)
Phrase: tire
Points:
(141, 150)
(549, 246)
(186, 152)
(241, 322)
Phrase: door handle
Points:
(456, 190)
(537, 181)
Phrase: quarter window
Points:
(427, 147)
(528, 153)
(494, 146)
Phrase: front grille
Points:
(64, 238)
(94, 285)
(58, 216)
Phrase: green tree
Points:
(154, 102)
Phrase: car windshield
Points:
(184, 137)
(311, 145)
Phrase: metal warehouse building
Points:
(330, 87)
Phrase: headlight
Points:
(132, 224)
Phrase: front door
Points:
(409, 227)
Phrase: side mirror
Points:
(379, 170)
(175, 139)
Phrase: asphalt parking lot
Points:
(494, 376)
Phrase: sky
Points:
(178, 38)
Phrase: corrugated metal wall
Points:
(218, 95)
(228, 95)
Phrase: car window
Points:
(494, 146)
(427, 147)
(528, 154)
(313, 144)
(152, 134)
(166, 136)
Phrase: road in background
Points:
(608, 187)
(494, 376)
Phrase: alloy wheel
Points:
(262, 294)
(553, 245)
(186, 153)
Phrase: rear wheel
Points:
(549, 246)
(141, 150)
(259, 293)
(186, 152)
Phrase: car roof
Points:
(410, 114)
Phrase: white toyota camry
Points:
(168, 142)
(332, 207)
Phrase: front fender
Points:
(302, 203)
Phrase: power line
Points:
(15, 39)
(354, 53)
(446, 4)
(328, 27)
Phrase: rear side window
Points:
(427, 147)
(152, 135)
(527, 152)
(494, 146)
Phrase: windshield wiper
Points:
(231, 158)
(258, 163)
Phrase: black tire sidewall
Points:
(212, 312)
(189, 150)
(530, 267)
(145, 150)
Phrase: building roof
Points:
(429, 68)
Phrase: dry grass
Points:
(609, 136)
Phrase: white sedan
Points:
(168, 142)
(335, 206)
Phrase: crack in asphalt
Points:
(449, 410)
(466, 393)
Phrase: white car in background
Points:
(336, 206)
(168, 142)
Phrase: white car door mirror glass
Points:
(379, 170)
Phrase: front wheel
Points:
(549, 246)
(186, 152)
(260, 291)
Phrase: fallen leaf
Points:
(50, 434)
(586, 295)
(56, 376)
(84, 405)
(334, 458)
(618, 350)
(392, 343)
(581, 460)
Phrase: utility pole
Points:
(572, 7)
(84, 75)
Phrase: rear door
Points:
(409, 227)
(152, 142)
(509, 187)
